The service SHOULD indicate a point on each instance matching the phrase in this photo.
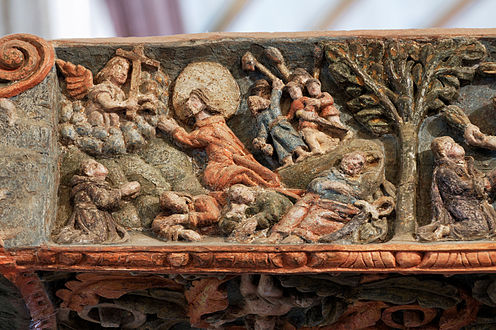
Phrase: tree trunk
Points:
(406, 224)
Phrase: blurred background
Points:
(55, 19)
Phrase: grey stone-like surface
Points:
(158, 167)
(28, 165)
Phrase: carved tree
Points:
(392, 85)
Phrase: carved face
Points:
(295, 92)
(194, 104)
(257, 103)
(119, 71)
(445, 146)
(352, 164)
(313, 88)
(93, 168)
(241, 194)
(454, 151)
(249, 65)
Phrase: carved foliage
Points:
(89, 287)
(205, 297)
(391, 82)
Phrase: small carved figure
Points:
(91, 221)
(316, 113)
(459, 194)
(229, 162)
(251, 212)
(335, 199)
(184, 215)
(272, 125)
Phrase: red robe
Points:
(326, 109)
(229, 162)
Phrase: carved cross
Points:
(137, 57)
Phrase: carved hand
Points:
(131, 104)
(147, 98)
(277, 84)
(337, 186)
(474, 136)
(258, 143)
(167, 125)
(268, 149)
(313, 102)
(307, 115)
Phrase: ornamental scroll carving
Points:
(25, 61)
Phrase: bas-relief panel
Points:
(273, 141)
(275, 156)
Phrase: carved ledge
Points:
(286, 259)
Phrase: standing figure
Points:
(316, 113)
(184, 215)
(272, 125)
(94, 199)
(229, 162)
(459, 196)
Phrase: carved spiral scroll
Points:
(25, 61)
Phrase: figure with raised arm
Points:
(229, 162)
(274, 132)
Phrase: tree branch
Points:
(380, 90)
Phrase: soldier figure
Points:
(272, 125)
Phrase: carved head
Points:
(446, 147)
(241, 194)
(300, 76)
(353, 163)
(176, 202)
(92, 168)
(294, 89)
(199, 101)
(116, 71)
(259, 98)
(313, 87)
(261, 88)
